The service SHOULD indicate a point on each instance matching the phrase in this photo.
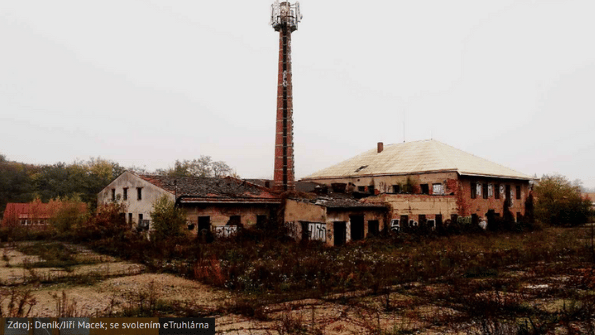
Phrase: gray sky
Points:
(146, 82)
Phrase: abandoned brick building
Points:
(36, 214)
(218, 205)
(429, 182)
(334, 220)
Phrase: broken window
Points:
(490, 190)
(396, 188)
(139, 193)
(425, 189)
(371, 189)
(113, 194)
(361, 189)
(140, 219)
(518, 192)
(125, 193)
(485, 191)
(129, 218)
(473, 191)
(497, 191)
(437, 189)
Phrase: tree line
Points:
(22, 182)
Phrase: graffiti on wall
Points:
(226, 231)
(292, 229)
(464, 220)
(317, 231)
(395, 226)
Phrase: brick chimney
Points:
(284, 20)
(380, 147)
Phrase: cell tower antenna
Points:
(284, 19)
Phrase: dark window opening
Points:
(361, 189)
(261, 221)
(373, 227)
(404, 221)
(371, 189)
(305, 231)
(474, 219)
(454, 218)
(519, 217)
(518, 191)
(497, 191)
(438, 220)
(113, 194)
(125, 193)
(234, 220)
(130, 218)
(140, 219)
(473, 190)
(422, 221)
(139, 193)
(425, 189)
(357, 227)
(340, 233)
(507, 195)
(396, 188)
(485, 191)
(204, 224)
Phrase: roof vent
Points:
(380, 147)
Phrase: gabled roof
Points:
(416, 157)
(199, 189)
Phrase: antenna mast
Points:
(284, 19)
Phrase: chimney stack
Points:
(380, 147)
(284, 19)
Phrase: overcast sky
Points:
(145, 82)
